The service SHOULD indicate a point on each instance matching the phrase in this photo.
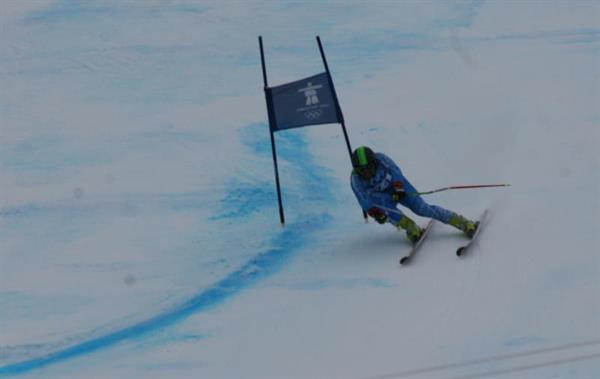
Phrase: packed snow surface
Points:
(139, 229)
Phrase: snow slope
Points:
(138, 218)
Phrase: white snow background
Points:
(139, 232)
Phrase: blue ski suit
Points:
(378, 190)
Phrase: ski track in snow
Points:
(284, 244)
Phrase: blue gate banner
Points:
(309, 101)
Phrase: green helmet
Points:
(364, 162)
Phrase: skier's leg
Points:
(403, 222)
(416, 204)
(421, 208)
(467, 226)
(413, 231)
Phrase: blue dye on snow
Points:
(78, 11)
(245, 199)
(257, 268)
(305, 181)
(284, 244)
(349, 284)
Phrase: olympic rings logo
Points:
(313, 114)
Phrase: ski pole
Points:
(440, 190)
(459, 187)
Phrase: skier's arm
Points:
(366, 201)
(361, 194)
(400, 185)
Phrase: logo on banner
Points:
(314, 114)
(313, 109)
(310, 92)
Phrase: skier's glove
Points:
(378, 215)
(398, 192)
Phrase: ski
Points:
(406, 259)
(464, 249)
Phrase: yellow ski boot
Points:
(413, 231)
(465, 225)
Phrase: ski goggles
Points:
(367, 171)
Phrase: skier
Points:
(379, 186)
